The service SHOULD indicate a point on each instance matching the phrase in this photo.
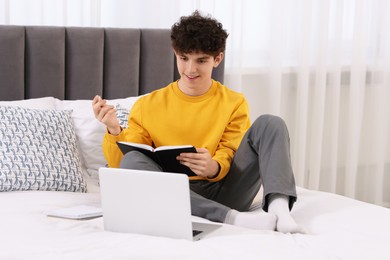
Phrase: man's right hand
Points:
(106, 114)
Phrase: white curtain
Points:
(322, 65)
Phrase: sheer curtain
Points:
(322, 65)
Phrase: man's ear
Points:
(218, 59)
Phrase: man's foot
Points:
(278, 205)
(255, 220)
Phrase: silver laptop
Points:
(150, 203)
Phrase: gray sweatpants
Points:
(263, 158)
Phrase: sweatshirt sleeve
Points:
(111, 150)
(231, 138)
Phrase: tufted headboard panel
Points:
(80, 62)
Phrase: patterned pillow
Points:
(122, 113)
(38, 151)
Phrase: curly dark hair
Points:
(197, 33)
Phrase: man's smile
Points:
(192, 77)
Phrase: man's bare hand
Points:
(200, 163)
(106, 114)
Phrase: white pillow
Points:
(34, 103)
(90, 131)
(38, 150)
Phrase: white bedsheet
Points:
(340, 228)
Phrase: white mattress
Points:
(341, 228)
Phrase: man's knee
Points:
(269, 122)
(130, 159)
(138, 161)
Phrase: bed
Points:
(48, 76)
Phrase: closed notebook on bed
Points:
(150, 203)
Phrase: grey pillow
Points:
(38, 151)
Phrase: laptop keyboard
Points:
(196, 232)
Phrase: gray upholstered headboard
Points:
(80, 62)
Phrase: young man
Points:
(233, 158)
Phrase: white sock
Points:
(255, 220)
(278, 205)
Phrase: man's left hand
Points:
(201, 163)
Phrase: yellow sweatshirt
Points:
(216, 120)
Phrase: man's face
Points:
(195, 70)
